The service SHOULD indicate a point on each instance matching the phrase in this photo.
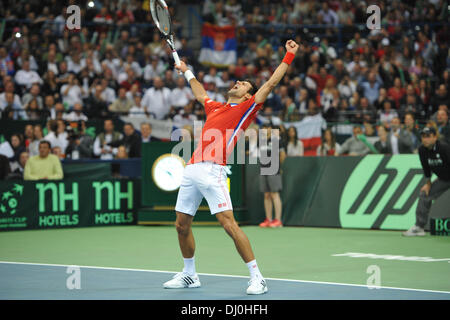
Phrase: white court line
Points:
(222, 275)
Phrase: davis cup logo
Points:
(382, 192)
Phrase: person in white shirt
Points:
(9, 87)
(137, 110)
(102, 148)
(71, 92)
(56, 134)
(213, 92)
(185, 117)
(74, 63)
(181, 95)
(153, 70)
(387, 114)
(77, 114)
(295, 145)
(157, 100)
(26, 77)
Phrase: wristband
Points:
(288, 57)
(189, 75)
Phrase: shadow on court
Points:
(35, 281)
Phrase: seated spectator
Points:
(5, 168)
(121, 153)
(353, 146)
(387, 114)
(185, 116)
(81, 145)
(32, 110)
(382, 145)
(71, 92)
(43, 166)
(137, 110)
(294, 145)
(399, 138)
(56, 135)
(28, 135)
(146, 133)
(26, 77)
(76, 115)
(13, 110)
(97, 106)
(131, 141)
(329, 146)
(396, 92)
(17, 146)
(157, 100)
(34, 93)
(57, 152)
(411, 127)
(122, 104)
(38, 136)
(9, 88)
(102, 146)
(443, 125)
(181, 95)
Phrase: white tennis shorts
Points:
(203, 179)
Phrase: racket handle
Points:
(177, 59)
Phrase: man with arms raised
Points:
(204, 175)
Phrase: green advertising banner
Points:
(68, 203)
(371, 192)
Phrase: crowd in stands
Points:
(388, 82)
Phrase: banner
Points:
(219, 46)
(309, 131)
(371, 192)
(69, 203)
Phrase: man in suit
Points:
(399, 139)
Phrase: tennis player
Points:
(204, 175)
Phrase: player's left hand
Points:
(291, 46)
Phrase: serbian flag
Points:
(219, 45)
(309, 131)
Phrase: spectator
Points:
(440, 98)
(122, 105)
(102, 146)
(38, 136)
(80, 144)
(396, 92)
(33, 94)
(372, 87)
(12, 110)
(43, 166)
(353, 146)
(271, 185)
(9, 88)
(137, 110)
(443, 125)
(28, 135)
(387, 114)
(131, 141)
(382, 145)
(71, 92)
(181, 95)
(97, 106)
(76, 115)
(294, 146)
(400, 139)
(185, 116)
(17, 146)
(411, 127)
(26, 77)
(121, 153)
(57, 152)
(56, 135)
(157, 100)
(328, 146)
(5, 168)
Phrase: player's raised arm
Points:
(196, 86)
(266, 88)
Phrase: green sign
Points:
(440, 227)
(382, 192)
(51, 204)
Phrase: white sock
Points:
(254, 270)
(189, 266)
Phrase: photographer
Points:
(80, 145)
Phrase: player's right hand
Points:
(182, 67)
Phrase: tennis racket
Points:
(161, 17)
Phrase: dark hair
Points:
(254, 88)
(295, 135)
(45, 142)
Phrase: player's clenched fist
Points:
(291, 46)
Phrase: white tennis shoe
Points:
(257, 285)
(183, 280)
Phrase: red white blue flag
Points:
(219, 45)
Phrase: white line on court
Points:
(222, 275)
